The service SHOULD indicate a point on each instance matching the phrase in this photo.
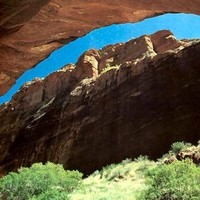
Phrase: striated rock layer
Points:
(31, 29)
(115, 103)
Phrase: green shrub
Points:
(177, 181)
(109, 67)
(53, 194)
(178, 146)
(144, 164)
(141, 158)
(39, 180)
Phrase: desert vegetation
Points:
(109, 67)
(138, 179)
(41, 182)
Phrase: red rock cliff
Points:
(122, 101)
(31, 29)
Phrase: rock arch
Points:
(31, 29)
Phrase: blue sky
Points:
(182, 25)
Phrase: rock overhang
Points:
(31, 30)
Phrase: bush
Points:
(177, 181)
(52, 194)
(178, 146)
(144, 164)
(39, 181)
(109, 67)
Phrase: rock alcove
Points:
(31, 30)
(86, 117)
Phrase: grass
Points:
(121, 181)
(126, 180)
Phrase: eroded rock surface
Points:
(115, 103)
(192, 153)
(31, 29)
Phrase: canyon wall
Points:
(115, 103)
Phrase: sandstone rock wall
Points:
(120, 102)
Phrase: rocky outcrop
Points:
(31, 29)
(192, 153)
(119, 102)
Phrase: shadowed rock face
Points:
(31, 29)
(118, 102)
